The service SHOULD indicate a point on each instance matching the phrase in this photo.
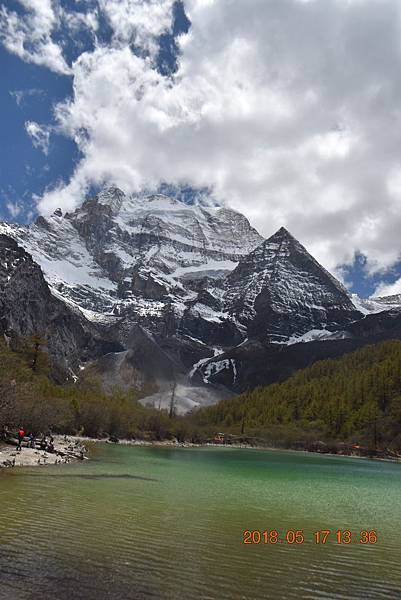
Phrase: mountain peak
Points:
(283, 231)
(279, 288)
(112, 197)
(281, 234)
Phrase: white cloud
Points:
(30, 32)
(330, 145)
(76, 21)
(39, 135)
(29, 36)
(138, 22)
(388, 289)
(14, 209)
(21, 96)
(289, 110)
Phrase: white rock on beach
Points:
(65, 452)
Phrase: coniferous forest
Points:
(356, 399)
(353, 400)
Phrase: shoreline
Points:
(177, 445)
(73, 449)
(65, 451)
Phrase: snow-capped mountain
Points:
(115, 250)
(377, 304)
(125, 262)
(27, 308)
(279, 290)
(194, 285)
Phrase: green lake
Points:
(140, 522)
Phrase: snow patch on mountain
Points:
(279, 290)
(69, 269)
(213, 268)
(317, 335)
(112, 197)
(377, 304)
(120, 252)
(217, 366)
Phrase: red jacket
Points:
(21, 433)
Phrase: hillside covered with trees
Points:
(29, 397)
(355, 398)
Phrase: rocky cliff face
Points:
(194, 288)
(257, 363)
(115, 248)
(279, 290)
(28, 308)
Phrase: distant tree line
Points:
(354, 399)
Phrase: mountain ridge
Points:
(267, 274)
(199, 281)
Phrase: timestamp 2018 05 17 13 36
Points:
(319, 537)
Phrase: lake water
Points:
(167, 523)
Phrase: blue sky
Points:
(257, 104)
(29, 93)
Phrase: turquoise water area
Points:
(164, 523)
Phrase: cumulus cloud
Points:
(29, 35)
(31, 32)
(39, 135)
(289, 110)
(76, 21)
(388, 289)
(138, 22)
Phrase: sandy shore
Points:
(65, 451)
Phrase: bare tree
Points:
(172, 400)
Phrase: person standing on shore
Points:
(21, 435)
